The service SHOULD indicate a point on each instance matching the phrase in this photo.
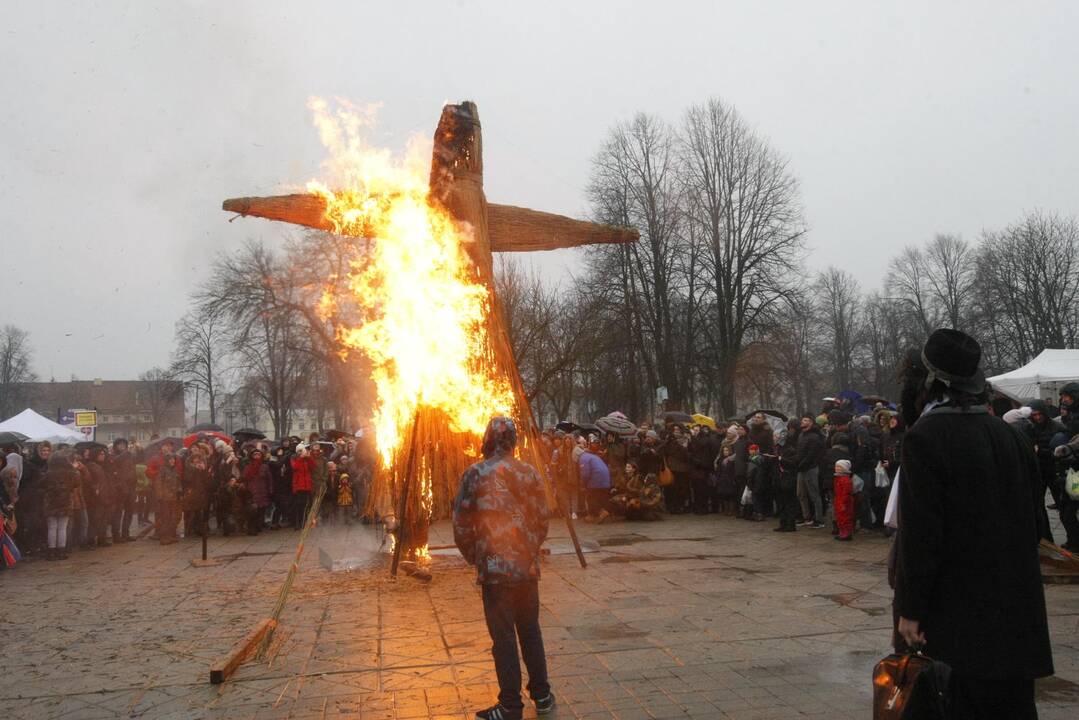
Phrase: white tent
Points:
(1041, 378)
(38, 428)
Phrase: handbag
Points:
(1071, 483)
(911, 686)
(666, 477)
(882, 478)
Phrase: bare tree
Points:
(839, 302)
(790, 339)
(1028, 274)
(269, 330)
(635, 182)
(742, 202)
(951, 273)
(199, 357)
(908, 281)
(882, 344)
(548, 327)
(159, 390)
(15, 368)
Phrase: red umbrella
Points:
(206, 435)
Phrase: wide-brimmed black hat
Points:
(954, 358)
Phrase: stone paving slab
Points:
(685, 618)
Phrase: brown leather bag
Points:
(910, 687)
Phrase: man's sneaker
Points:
(497, 712)
(545, 705)
(817, 525)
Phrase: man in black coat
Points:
(968, 580)
(122, 467)
(810, 450)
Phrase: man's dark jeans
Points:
(127, 507)
(512, 613)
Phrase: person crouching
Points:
(844, 500)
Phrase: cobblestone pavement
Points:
(688, 617)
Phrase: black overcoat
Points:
(967, 564)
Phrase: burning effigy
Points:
(422, 281)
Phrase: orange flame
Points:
(424, 326)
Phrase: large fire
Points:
(424, 313)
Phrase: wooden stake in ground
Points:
(400, 534)
(223, 668)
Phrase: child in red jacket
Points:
(301, 462)
(844, 500)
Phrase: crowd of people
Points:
(834, 468)
(55, 500)
(830, 465)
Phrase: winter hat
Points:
(1013, 416)
(839, 417)
(1072, 391)
(500, 437)
(841, 439)
(821, 420)
(842, 467)
(754, 448)
(953, 358)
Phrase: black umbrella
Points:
(205, 427)
(90, 445)
(335, 434)
(249, 433)
(155, 446)
(567, 427)
(677, 416)
(11, 437)
(773, 413)
(874, 399)
(590, 429)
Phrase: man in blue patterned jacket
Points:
(499, 524)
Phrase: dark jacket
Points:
(677, 456)
(703, 451)
(500, 519)
(122, 467)
(891, 443)
(828, 460)
(967, 557)
(810, 449)
(763, 437)
(58, 485)
(1043, 446)
(256, 476)
(649, 461)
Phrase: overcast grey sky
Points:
(123, 125)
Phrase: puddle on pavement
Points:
(613, 631)
(1055, 689)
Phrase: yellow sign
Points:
(86, 418)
